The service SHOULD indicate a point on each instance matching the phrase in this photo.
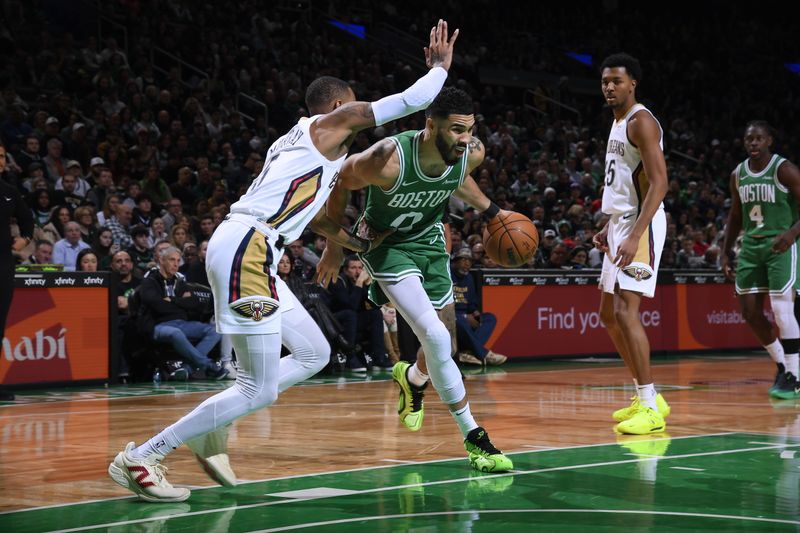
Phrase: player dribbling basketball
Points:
(410, 178)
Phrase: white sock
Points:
(464, 420)
(792, 363)
(416, 377)
(647, 395)
(775, 350)
(162, 444)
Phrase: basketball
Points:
(510, 239)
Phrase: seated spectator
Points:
(558, 257)
(120, 225)
(53, 231)
(686, 256)
(42, 253)
(189, 257)
(356, 315)
(178, 236)
(140, 252)
(473, 328)
(304, 261)
(109, 208)
(65, 251)
(42, 207)
(67, 192)
(143, 213)
(196, 270)
(126, 283)
(104, 187)
(104, 247)
(86, 261)
(578, 258)
(158, 231)
(84, 216)
(165, 296)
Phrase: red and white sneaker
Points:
(145, 478)
(211, 451)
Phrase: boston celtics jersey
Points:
(768, 208)
(416, 202)
(293, 185)
(626, 183)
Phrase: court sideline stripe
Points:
(432, 483)
(537, 511)
(376, 467)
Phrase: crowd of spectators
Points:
(114, 154)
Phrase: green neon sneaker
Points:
(483, 456)
(409, 406)
(621, 415)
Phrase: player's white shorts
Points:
(642, 273)
(242, 269)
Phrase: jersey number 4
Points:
(756, 215)
(610, 172)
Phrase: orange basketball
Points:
(510, 239)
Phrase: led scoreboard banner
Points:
(59, 329)
(551, 313)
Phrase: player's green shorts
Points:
(424, 257)
(761, 270)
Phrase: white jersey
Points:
(626, 184)
(294, 184)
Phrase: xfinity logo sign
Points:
(92, 281)
(64, 281)
(34, 282)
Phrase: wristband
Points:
(492, 210)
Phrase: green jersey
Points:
(768, 207)
(416, 202)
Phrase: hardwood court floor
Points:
(332, 455)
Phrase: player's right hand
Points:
(600, 240)
(329, 264)
(439, 53)
(727, 270)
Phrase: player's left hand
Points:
(782, 243)
(626, 252)
(329, 264)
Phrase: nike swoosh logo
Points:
(627, 217)
(410, 182)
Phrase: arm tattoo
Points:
(475, 145)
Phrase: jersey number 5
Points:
(610, 172)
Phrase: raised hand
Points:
(440, 51)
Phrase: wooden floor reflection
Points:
(58, 452)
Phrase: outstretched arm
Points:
(331, 131)
(378, 165)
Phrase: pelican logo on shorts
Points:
(638, 273)
(255, 309)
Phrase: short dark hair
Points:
(631, 64)
(450, 101)
(142, 196)
(761, 124)
(349, 259)
(321, 93)
(139, 229)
